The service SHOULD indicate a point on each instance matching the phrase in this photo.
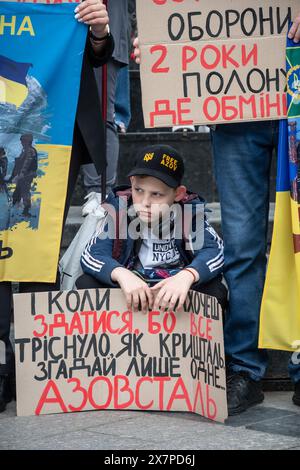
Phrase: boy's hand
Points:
(294, 32)
(171, 290)
(137, 51)
(93, 13)
(136, 291)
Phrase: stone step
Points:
(196, 149)
(75, 219)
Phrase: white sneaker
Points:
(203, 129)
(183, 128)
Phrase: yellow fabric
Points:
(280, 311)
(12, 92)
(26, 264)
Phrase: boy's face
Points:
(152, 198)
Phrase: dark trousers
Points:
(24, 287)
(6, 350)
(22, 192)
(215, 287)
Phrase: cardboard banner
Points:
(41, 50)
(280, 311)
(213, 62)
(82, 350)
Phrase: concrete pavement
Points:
(275, 424)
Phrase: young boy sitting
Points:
(168, 247)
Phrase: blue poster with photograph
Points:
(41, 52)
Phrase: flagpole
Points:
(104, 115)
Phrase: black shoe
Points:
(242, 392)
(5, 391)
(296, 396)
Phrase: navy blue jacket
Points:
(98, 261)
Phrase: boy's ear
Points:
(180, 193)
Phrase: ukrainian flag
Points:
(13, 87)
(280, 310)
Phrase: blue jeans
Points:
(242, 158)
(122, 103)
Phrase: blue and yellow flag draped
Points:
(13, 77)
(280, 311)
(41, 52)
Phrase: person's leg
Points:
(26, 196)
(122, 101)
(85, 281)
(16, 197)
(294, 367)
(6, 350)
(242, 156)
(214, 288)
(7, 359)
(294, 371)
(91, 179)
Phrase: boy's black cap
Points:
(162, 162)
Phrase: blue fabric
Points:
(56, 66)
(122, 99)
(12, 70)
(242, 158)
(283, 174)
(294, 369)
